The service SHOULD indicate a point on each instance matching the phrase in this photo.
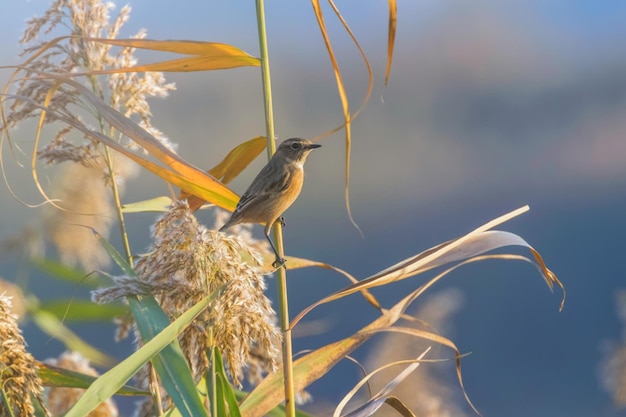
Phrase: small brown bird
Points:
(274, 189)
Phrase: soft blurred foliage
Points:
(491, 105)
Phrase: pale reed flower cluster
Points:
(90, 168)
(86, 204)
(243, 231)
(186, 263)
(18, 370)
(126, 92)
(613, 365)
(18, 300)
(60, 399)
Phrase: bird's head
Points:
(296, 149)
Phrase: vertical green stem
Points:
(211, 378)
(95, 87)
(118, 206)
(283, 307)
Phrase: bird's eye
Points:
(295, 146)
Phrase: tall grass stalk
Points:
(281, 275)
(118, 206)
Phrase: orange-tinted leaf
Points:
(187, 176)
(206, 56)
(189, 64)
(33, 160)
(194, 181)
(190, 178)
(176, 171)
(176, 46)
(333, 60)
(270, 392)
(231, 166)
(238, 159)
(348, 117)
(344, 103)
(368, 67)
(391, 38)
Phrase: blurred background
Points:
(491, 105)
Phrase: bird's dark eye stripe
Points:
(295, 146)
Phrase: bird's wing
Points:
(284, 182)
(262, 189)
(245, 199)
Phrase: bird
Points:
(274, 189)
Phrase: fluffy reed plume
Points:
(18, 300)
(187, 262)
(60, 399)
(83, 187)
(613, 365)
(18, 369)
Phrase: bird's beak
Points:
(314, 146)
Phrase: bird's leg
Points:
(279, 262)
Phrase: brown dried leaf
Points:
(466, 247)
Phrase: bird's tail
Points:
(226, 226)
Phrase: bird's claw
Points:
(279, 262)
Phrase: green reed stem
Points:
(211, 378)
(118, 206)
(283, 307)
(97, 89)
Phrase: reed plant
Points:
(195, 301)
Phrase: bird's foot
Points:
(279, 262)
(281, 220)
